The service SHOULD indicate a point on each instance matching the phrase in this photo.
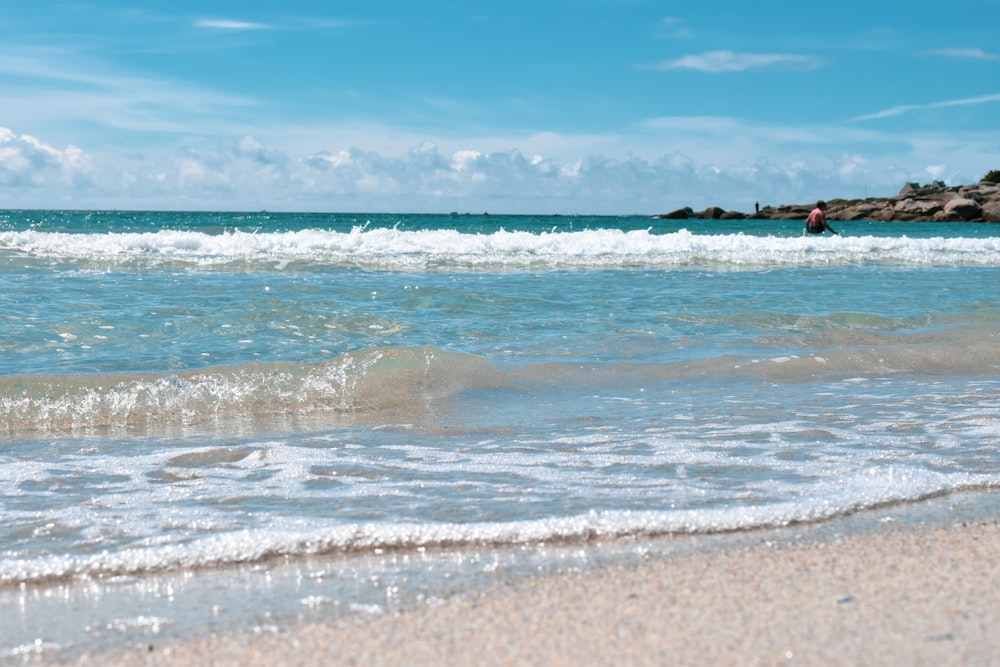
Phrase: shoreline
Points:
(904, 593)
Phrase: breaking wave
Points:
(366, 381)
(253, 546)
(394, 249)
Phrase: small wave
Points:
(864, 491)
(366, 384)
(395, 249)
(966, 350)
(969, 350)
(364, 381)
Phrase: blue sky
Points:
(593, 106)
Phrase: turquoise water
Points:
(191, 392)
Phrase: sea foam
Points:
(389, 248)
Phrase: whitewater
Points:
(451, 249)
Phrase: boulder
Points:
(857, 212)
(680, 214)
(711, 213)
(961, 208)
(884, 214)
(991, 210)
(789, 212)
(981, 192)
(913, 209)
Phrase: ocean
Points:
(218, 421)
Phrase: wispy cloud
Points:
(674, 28)
(732, 61)
(43, 83)
(907, 108)
(230, 24)
(965, 54)
(235, 25)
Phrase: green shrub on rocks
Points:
(993, 176)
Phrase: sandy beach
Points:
(913, 596)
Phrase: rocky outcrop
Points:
(937, 202)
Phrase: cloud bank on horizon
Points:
(553, 107)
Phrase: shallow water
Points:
(181, 393)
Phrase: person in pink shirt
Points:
(816, 222)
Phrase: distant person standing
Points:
(816, 222)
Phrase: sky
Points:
(542, 107)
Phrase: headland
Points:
(936, 202)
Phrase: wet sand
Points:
(914, 596)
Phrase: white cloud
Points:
(682, 162)
(936, 171)
(25, 161)
(674, 28)
(732, 61)
(907, 108)
(229, 24)
(970, 54)
(464, 159)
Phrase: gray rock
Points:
(963, 209)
